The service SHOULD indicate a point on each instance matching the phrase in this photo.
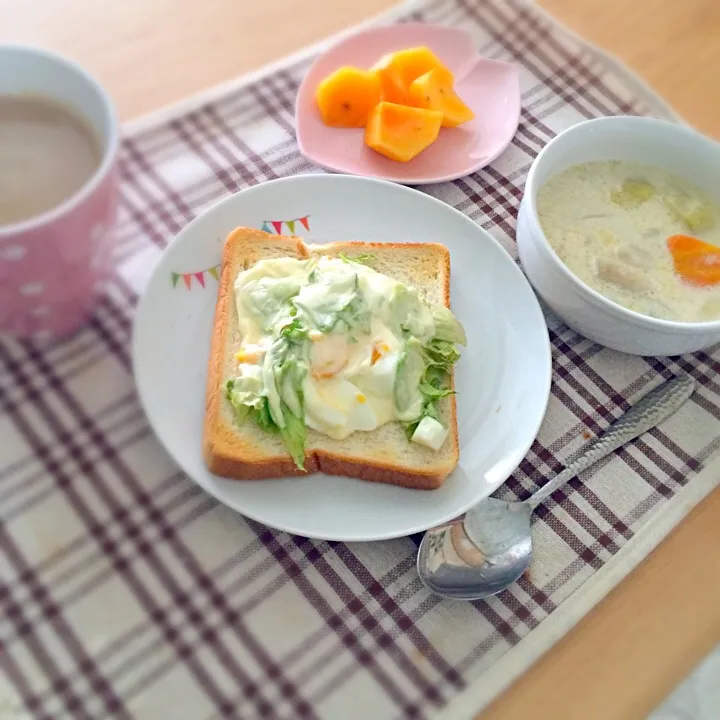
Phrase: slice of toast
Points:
(246, 452)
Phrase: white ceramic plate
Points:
(502, 379)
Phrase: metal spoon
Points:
(491, 547)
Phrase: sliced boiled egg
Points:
(430, 433)
(328, 356)
(337, 407)
(379, 349)
(250, 353)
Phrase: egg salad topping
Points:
(331, 344)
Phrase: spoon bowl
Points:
(491, 547)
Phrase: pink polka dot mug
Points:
(52, 265)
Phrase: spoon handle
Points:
(648, 412)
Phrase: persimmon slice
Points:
(347, 97)
(397, 70)
(400, 132)
(434, 91)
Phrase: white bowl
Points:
(674, 148)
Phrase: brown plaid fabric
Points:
(129, 593)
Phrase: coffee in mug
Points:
(59, 141)
(47, 153)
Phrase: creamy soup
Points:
(640, 236)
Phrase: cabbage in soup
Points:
(638, 235)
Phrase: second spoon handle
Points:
(659, 404)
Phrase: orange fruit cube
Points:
(398, 69)
(400, 132)
(434, 91)
(346, 97)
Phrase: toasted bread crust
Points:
(228, 453)
(222, 454)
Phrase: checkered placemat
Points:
(129, 593)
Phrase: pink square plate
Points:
(491, 88)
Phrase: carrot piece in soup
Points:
(695, 261)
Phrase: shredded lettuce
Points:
(289, 375)
(409, 373)
(330, 304)
(261, 415)
(293, 435)
(434, 391)
(258, 408)
(278, 406)
(268, 299)
(290, 369)
(355, 315)
(248, 403)
(237, 400)
(408, 314)
(294, 331)
(441, 353)
(361, 258)
(447, 327)
(439, 357)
